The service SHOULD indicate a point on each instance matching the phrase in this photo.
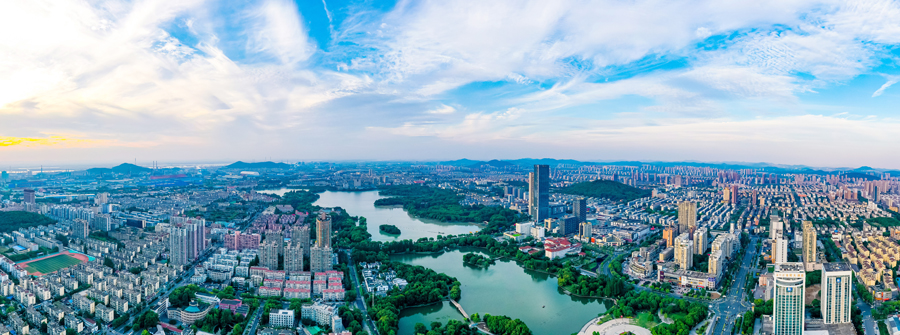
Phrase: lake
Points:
(363, 204)
(502, 289)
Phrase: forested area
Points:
(13, 220)
(424, 286)
(440, 204)
(600, 286)
(476, 260)
(685, 314)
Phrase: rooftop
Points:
(839, 266)
(789, 267)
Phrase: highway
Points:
(733, 304)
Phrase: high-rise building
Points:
(300, 236)
(669, 234)
(275, 236)
(836, 294)
(320, 259)
(579, 209)
(268, 254)
(809, 245)
(779, 250)
(775, 227)
(293, 256)
(716, 261)
(101, 198)
(187, 240)
(684, 254)
(102, 222)
(687, 216)
(539, 193)
(568, 225)
(29, 197)
(587, 231)
(700, 241)
(734, 195)
(790, 279)
(726, 195)
(323, 231)
(81, 228)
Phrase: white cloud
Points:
(443, 109)
(279, 32)
(891, 80)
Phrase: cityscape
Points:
(449, 167)
(569, 247)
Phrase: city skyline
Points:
(804, 82)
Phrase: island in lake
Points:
(389, 229)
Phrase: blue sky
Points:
(793, 82)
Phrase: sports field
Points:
(51, 264)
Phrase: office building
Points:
(809, 245)
(788, 316)
(282, 318)
(539, 193)
(81, 228)
(268, 254)
(103, 222)
(579, 209)
(300, 236)
(323, 231)
(293, 256)
(568, 225)
(187, 241)
(780, 250)
(684, 253)
(775, 227)
(101, 198)
(700, 241)
(836, 294)
(320, 259)
(29, 197)
(687, 216)
(277, 238)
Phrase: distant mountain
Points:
(606, 189)
(462, 162)
(258, 165)
(124, 168)
(492, 163)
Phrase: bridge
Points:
(459, 307)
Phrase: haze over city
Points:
(785, 82)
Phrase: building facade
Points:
(684, 254)
(836, 293)
(687, 216)
(539, 193)
(788, 315)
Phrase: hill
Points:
(257, 165)
(10, 221)
(606, 189)
(124, 168)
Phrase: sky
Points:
(779, 81)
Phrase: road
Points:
(868, 321)
(257, 316)
(733, 304)
(360, 303)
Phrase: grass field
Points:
(51, 264)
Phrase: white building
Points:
(836, 293)
(790, 280)
(282, 318)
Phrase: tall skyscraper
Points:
(700, 241)
(81, 228)
(187, 240)
(101, 198)
(687, 216)
(579, 209)
(836, 293)
(293, 256)
(734, 195)
(790, 279)
(779, 250)
(684, 253)
(29, 197)
(809, 245)
(539, 193)
(300, 236)
(775, 227)
(268, 254)
(276, 237)
(323, 231)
